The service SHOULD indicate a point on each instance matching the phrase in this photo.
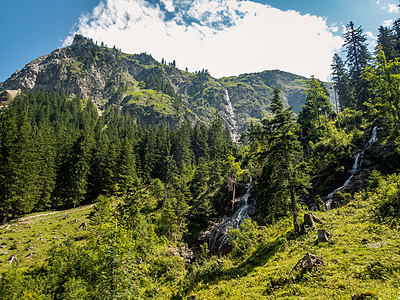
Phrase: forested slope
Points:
(181, 208)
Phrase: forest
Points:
(157, 188)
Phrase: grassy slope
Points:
(42, 230)
(361, 257)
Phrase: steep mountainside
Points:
(154, 92)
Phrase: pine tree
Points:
(355, 43)
(8, 138)
(127, 176)
(283, 175)
(341, 82)
(387, 41)
(316, 109)
(396, 34)
(384, 85)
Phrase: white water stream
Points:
(356, 167)
(219, 234)
(230, 116)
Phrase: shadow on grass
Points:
(211, 271)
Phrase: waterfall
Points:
(217, 237)
(374, 137)
(356, 167)
(238, 217)
(230, 116)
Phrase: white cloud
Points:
(370, 35)
(227, 37)
(387, 23)
(393, 8)
(390, 7)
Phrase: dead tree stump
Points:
(308, 261)
(323, 236)
(310, 219)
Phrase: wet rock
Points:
(216, 235)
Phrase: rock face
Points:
(153, 92)
(7, 96)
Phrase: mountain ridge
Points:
(154, 92)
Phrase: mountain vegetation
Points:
(173, 207)
(152, 92)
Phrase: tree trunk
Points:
(323, 236)
(294, 210)
(310, 219)
(5, 216)
(233, 198)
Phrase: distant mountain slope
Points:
(153, 92)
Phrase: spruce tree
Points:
(341, 82)
(316, 109)
(283, 176)
(355, 42)
(387, 42)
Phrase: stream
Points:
(217, 238)
(356, 168)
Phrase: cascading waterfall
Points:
(230, 116)
(356, 167)
(218, 237)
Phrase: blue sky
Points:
(228, 37)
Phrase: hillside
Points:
(31, 237)
(154, 92)
(360, 261)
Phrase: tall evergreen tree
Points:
(283, 176)
(8, 138)
(316, 109)
(387, 42)
(341, 82)
(396, 34)
(355, 42)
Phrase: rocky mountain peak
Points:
(80, 40)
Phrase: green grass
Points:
(39, 231)
(158, 101)
(362, 257)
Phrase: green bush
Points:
(243, 239)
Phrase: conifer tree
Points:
(341, 82)
(283, 176)
(387, 42)
(316, 109)
(396, 34)
(355, 42)
(8, 138)
(384, 84)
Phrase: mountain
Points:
(154, 92)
